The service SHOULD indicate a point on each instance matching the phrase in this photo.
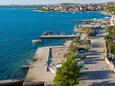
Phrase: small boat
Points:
(37, 41)
(106, 17)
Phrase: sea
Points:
(19, 26)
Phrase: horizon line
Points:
(58, 3)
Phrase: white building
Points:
(112, 20)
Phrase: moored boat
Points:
(37, 41)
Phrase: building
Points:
(113, 38)
(112, 20)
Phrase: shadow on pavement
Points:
(94, 75)
(92, 60)
(105, 83)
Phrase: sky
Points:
(31, 2)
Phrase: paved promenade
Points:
(38, 70)
(97, 72)
(45, 57)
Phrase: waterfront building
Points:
(112, 20)
(113, 38)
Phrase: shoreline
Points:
(65, 11)
(103, 12)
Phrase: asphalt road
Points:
(97, 73)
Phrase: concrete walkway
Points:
(38, 70)
(97, 73)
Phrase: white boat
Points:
(106, 17)
(37, 41)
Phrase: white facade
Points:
(112, 20)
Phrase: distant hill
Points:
(36, 6)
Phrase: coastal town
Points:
(87, 58)
(90, 48)
(71, 7)
(66, 7)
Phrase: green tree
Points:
(109, 40)
(75, 43)
(110, 9)
(68, 73)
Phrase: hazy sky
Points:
(6, 2)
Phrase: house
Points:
(113, 37)
(112, 19)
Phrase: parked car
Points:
(82, 50)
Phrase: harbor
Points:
(17, 46)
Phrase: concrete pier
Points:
(39, 74)
(57, 36)
(37, 71)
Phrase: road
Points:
(97, 73)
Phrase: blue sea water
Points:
(19, 26)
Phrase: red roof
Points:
(113, 37)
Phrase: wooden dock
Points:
(57, 36)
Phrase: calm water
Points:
(18, 26)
